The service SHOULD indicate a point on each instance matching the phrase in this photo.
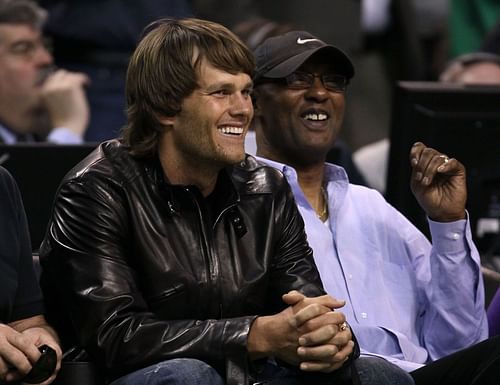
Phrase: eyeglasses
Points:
(304, 80)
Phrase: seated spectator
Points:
(253, 32)
(418, 305)
(37, 102)
(22, 325)
(97, 38)
(479, 68)
(197, 265)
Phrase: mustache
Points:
(44, 73)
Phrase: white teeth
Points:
(231, 130)
(316, 117)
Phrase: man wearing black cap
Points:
(415, 304)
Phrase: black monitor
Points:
(462, 122)
(38, 168)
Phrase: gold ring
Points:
(445, 158)
(343, 326)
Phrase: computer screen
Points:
(462, 122)
(38, 168)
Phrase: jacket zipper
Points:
(210, 257)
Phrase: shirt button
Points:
(455, 236)
(350, 276)
(364, 315)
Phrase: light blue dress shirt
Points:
(59, 135)
(407, 300)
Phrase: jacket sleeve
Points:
(84, 255)
(294, 267)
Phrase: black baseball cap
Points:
(279, 56)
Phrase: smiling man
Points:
(174, 257)
(417, 305)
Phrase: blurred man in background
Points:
(37, 102)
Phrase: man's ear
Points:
(166, 120)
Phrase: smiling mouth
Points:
(231, 130)
(315, 117)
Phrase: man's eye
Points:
(221, 93)
(247, 92)
(22, 48)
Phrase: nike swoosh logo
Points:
(304, 41)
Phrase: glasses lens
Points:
(303, 80)
(334, 82)
(299, 80)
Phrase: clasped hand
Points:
(307, 334)
(321, 343)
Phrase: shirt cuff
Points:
(63, 135)
(449, 237)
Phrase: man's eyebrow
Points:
(224, 86)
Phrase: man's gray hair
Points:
(22, 12)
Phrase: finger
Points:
(344, 352)
(293, 297)
(309, 312)
(330, 317)
(318, 366)
(415, 152)
(328, 364)
(341, 338)
(324, 353)
(4, 368)
(322, 335)
(421, 166)
(49, 380)
(296, 298)
(436, 163)
(13, 353)
(447, 165)
(14, 375)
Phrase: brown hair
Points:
(163, 71)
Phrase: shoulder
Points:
(9, 192)
(254, 176)
(6, 179)
(110, 162)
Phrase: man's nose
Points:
(317, 89)
(241, 104)
(42, 56)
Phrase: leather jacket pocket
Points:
(171, 303)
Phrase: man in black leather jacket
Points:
(174, 256)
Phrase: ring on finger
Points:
(343, 326)
(445, 158)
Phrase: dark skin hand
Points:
(438, 183)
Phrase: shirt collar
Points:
(333, 173)
(7, 136)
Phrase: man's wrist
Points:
(258, 341)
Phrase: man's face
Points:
(210, 129)
(299, 126)
(23, 59)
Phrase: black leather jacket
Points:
(146, 271)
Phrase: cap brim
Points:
(342, 62)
